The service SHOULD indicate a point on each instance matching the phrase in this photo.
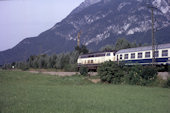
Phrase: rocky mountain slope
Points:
(101, 22)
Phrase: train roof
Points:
(100, 52)
(161, 46)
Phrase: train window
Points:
(88, 61)
(99, 55)
(126, 56)
(147, 54)
(92, 61)
(120, 56)
(132, 55)
(156, 53)
(139, 55)
(108, 54)
(91, 56)
(164, 52)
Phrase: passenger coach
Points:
(143, 55)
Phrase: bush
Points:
(141, 75)
(110, 72)
(148, 74)
(133, 76)
(167, 83)
(70, 67)
(6, 66)
(83, 71)
(24, 67)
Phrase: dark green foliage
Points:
(23, 66)
(141, 75)
(132, 76)
(82, 49)
(108, 48)
(111, 72)
(7, 66)
(71, 68)
(31, 60)
(148, 75)
(121, 43)
(83, 71)
(167, 83)
(65, 61)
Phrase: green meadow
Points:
(23, 92)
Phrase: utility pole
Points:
(153, 33)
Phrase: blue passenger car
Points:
(144, 55)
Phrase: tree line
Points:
(121, 43)
(64, 61)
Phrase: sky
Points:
(20, 19)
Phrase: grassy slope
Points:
(22, 92)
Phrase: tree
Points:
(82, 49)
(83, 71)
(31, 61)
(108, 48)
(51, 61)
(122, 43)
(73, 57)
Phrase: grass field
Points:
(22, 92)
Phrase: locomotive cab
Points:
(93, 60)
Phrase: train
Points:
(130, 56)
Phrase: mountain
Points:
(101, 22)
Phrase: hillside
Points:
(101, 23)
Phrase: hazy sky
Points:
(28, 18)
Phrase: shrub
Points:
(167, 83)
(135, 75)
(70, 67)
(24, 68)
(110, 72)
(83, 70)
(148, 74)
(141, 75)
